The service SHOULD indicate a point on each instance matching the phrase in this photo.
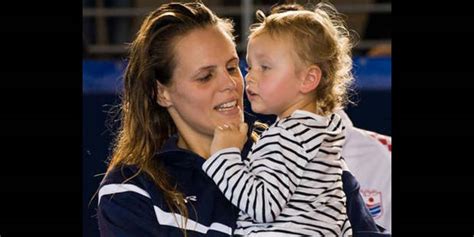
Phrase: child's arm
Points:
(228, 135)
(264, 187)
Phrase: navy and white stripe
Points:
(291, 180)
(163, 217)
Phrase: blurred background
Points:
(109, 25)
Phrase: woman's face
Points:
(206, 88)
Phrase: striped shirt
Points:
(290, 184)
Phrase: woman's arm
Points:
(126, 210)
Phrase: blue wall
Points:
(101, 81)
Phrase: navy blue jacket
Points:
(137, 208)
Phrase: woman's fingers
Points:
(241, 114)
(243, 128)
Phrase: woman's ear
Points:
(311, 79)
(163, 98)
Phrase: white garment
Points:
(368, 157)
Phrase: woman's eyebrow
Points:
(212, 67)
(233, 59)
(206, 67)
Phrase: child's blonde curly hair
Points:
(320, 37)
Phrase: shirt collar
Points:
(345, 119)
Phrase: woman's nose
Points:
(230, 83)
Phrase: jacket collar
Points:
(171, 154)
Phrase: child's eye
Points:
(248, 68)
(265, 67)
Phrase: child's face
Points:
(272, 79)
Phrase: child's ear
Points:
(163, 98)
(311, 79)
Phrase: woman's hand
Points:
(229, 135)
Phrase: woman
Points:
(181, 82)
(183, 78)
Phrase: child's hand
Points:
(229, 135)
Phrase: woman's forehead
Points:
(204, 47)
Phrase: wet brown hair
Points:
(145, 125)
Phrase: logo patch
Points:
(190, 198)
(373, 201)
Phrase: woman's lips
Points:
(226, 106)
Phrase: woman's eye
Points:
(265, 67)
(248, 68)
(232, 69)
(205, 78)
